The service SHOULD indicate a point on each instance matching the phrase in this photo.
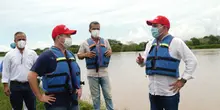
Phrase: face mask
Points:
(67, 42)
(21, 44)
(95, 33)
(155, 32)
(13, 45)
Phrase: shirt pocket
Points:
(29, 62)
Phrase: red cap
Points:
(61, 29)
(159, 20)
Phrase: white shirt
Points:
(16, 65)
(103, 71)
(159, 84)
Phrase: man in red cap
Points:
(60, 73)
(161, 58)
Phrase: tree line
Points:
(210, 41)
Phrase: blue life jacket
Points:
(100, 60)
(66, 77)
(159, 60)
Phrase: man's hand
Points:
(176, 86)
(6, 90)
(108, 53)
(140, 59)
(47, 98)
(79, 93)
(90, 54)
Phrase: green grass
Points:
(5, 103)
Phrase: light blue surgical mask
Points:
(155, 32)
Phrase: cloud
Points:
(120, 19)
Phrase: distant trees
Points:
(210, 41)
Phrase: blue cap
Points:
(13, 45)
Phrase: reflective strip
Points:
(154, 44)
(64, 59)
(61, 58)
(72, 58)
(163, 44)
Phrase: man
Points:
(97, 52)
(161, 59)
(16, 66)
(60, 73)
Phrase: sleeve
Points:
(189, 59)
(45, 63)
(35, 56)
(145, 53)
(6, 69)
(108, 45)
(81, 49)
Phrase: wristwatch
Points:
(183, 80)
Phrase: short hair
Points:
(93, 22)
(19, 32)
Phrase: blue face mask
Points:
(155, 32)
(13, 45)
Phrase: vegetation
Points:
(205, 42)
(5, 103)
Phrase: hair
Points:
(93, 22)
(19, 32)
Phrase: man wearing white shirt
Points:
(161, 59)
(17, 64)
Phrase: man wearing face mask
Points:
(97, 52)
(16, 66)
(161, 58)
(60, 73)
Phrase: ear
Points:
(89, 30)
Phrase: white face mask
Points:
(67, 42)
(21, 44)
(95, 33)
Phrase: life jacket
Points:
(100, 60)
(66, 77)
(159, 60)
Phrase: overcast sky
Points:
(123, 20)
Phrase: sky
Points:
(123, 20)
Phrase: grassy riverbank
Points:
(5, 103)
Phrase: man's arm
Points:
(189, 59)
(42, 66)
(109, 49)
(32, 78)
(145, 53)
(5, 73)
(81, 53)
